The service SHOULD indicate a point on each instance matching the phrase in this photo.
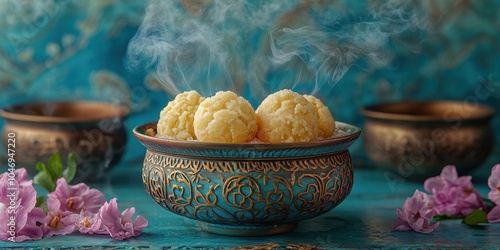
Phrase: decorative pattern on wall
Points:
(65, 49)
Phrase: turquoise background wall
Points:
(71, 49)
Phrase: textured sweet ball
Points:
(326, 123)
(176, 119)
(286, 116)
(225, 117)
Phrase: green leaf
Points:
(43, 180)
(446, 217)
(40, 166)
(476, 217)
(70, 171)
(39, 201)
(55, 166)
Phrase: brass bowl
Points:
(93, 131)
(415, 140)
(250, 189)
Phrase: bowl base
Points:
(248, 230)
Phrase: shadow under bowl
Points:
(93, 131)
(415, 139)
(249, 189)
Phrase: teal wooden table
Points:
(361, 221)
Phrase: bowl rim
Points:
(112, 110)
(377, 111)
(193, 144)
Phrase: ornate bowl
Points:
(251, 189)
(93, 131)
(415, 140)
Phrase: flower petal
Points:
(417, 225)
(62, 189)
(494, 196)
(53, 204)
(93, 200)
(494, 184)
(433, 183)
(29, 232)
(413, 205)
(36, 215)
(429, 228)
(400, 225)
(21, 177)
(98, 227)
(68, 222)
(128, 214)
(77, 197)
(27, 196)
(449, 174)
(494, 215)
(120, 225)
(109, 212)
(139, 224)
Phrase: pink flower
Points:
(78, 197)
(91, 223)
(494, 215)
(415, 215)
(20, 175)
(427, 199)
(18, 214)
(120, 225)
(59, 222)
(32, 229)
(494, 184)
(453, 195)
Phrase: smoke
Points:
(263, 46)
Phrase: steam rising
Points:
(211, 45)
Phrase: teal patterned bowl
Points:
(251, 189)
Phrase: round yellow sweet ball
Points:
(176, 119)
(286, 116)
(225, 117)
(326, 123)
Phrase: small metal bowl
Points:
(251, 189)
(415, 140)
(93, 131)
